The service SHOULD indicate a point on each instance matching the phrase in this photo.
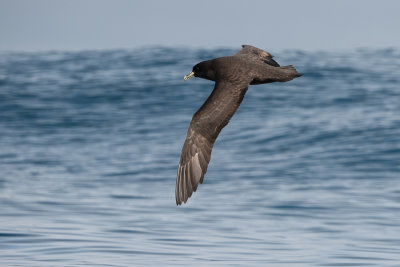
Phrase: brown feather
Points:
(232, 76)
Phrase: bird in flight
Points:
(232, 76)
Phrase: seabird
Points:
(232, 76)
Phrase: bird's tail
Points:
(289, 73)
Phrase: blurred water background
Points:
(307, 173)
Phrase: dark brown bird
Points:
(232, 76)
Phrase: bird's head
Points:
(204, 69)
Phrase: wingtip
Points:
(177, 200)
(180, 202)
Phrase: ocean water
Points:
(307, 173)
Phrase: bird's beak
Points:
(187, 77)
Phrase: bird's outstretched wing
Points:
(257, 54)
(203, 130)
(195, 156)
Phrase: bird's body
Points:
(232, 76)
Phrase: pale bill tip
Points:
(187, 77)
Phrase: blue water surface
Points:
(307, 173)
